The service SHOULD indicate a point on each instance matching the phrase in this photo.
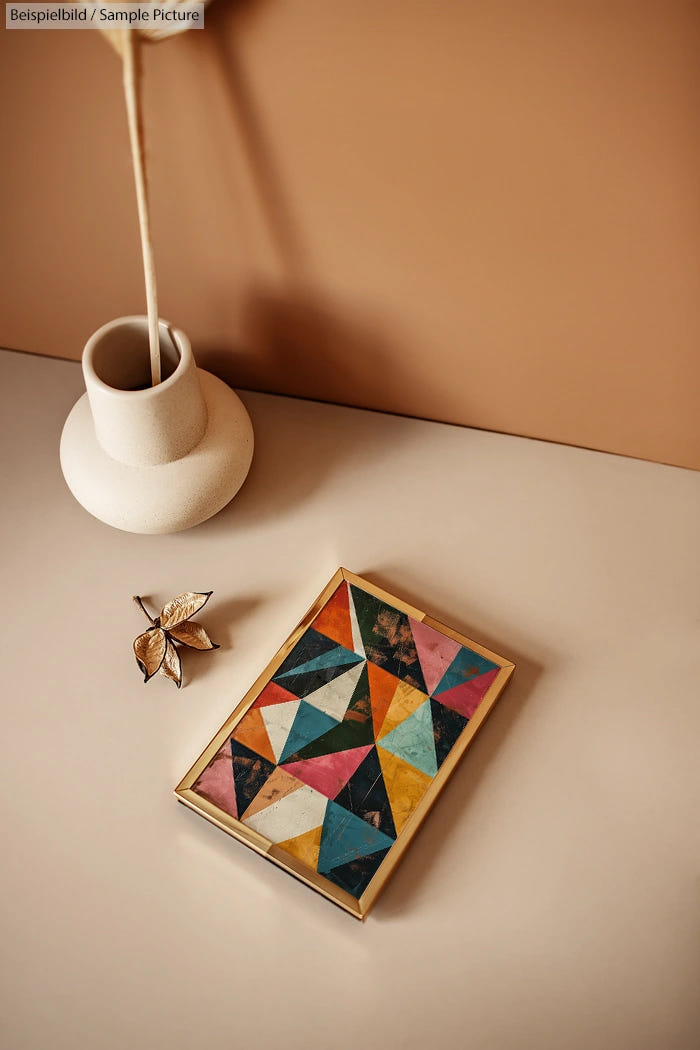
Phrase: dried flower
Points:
(155, 649)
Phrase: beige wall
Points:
(486, 213)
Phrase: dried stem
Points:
(131, 57)
(143, 609)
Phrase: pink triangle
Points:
(435, 651)
(466, 698)
(329, 773)
(216, 782)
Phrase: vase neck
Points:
(136, 423)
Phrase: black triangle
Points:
(311, 644)
(447, 727)
(356, 876)
(365, 795)
(360, 706)
(387, 638)
(250, 773)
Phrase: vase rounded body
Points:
(153, 459)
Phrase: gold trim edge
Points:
(357, 907)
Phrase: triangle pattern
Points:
(273, 694)
(297, 812)
(466, 664)
(447, 728)
(278, 784)
(405, 701)
(305, 847)
(360, 707)
(357, 643)
(308, 724)
(365, 795)
(334, 697)
(334, 618)
(466, 698)
(387, 638)
(329, 773)
(356, 875)
(435, 651)
(405, 786)
(382, 687)
(333, 658)
(338, 750)
(412, 740)
(250, 771)
(346, 837)
(279, 719)
(313, 663)
(251, 731)
(310, 645)
(344, 737)
(355, 730)
(215, 783)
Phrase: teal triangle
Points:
(466, 664)
(413, 740)
(346, 837)
(333, 658)
(308, 725)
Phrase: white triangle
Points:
(334, 697)
(292, 815)
(356, 636)
(278, 719)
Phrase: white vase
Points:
(153, 459)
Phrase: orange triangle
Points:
(405, 701)
(382, 687)
(305, 847)
(334, 618)
(251, 731)
(405, 786)
(278, 784)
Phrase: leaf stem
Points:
(143, 609)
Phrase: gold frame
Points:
(358, 907)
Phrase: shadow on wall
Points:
(222, 26)
(317, 349)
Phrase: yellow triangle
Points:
(405, 786)
(305, 847)
(405, 701)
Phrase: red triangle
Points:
(466, 698)
(334, 618)
(329, 773)
(273, 694)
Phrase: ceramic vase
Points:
(153, 459)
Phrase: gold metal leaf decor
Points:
(155, 650)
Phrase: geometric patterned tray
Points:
(331, 761)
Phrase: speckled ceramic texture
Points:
(153, 459)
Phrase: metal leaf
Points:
(171, 667)
(182, 607)
(149, 650)
(194, 635)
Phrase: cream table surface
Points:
(552, 898)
